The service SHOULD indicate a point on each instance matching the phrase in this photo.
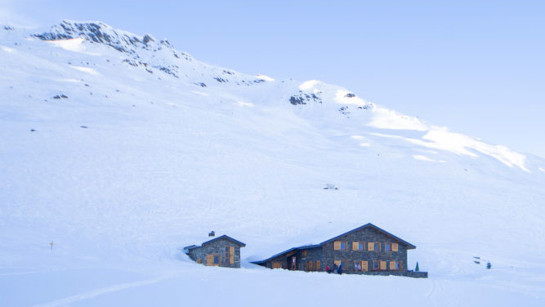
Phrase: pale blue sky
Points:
(477, 67)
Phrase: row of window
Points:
(375, 265)
(365, 246)
(357, 266)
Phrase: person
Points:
(293, 263)
(340, 269)
(327, 269)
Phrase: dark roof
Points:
(187, 248)
(224, 237)
(287, 252)
(368, 225)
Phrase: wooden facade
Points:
(365, 250)
(222, 251)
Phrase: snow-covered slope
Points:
(120, 150)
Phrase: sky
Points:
(477, 67)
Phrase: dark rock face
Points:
(221, 80)
(97, 33)
(62, 96)
(8, 28)
(344, 110)
(350, 95)
(145, 52)
(100, 33)
(304, 98)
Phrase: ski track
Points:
(98, 292)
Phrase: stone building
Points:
(222, 251)
(365, 250)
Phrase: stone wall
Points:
(366, 235)
(216, 248)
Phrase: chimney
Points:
(212, 234)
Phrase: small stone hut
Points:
(222, 251)
(366, 250)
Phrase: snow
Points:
(163, 160)
(442, 138)
(265, 77)
(307, 85)
(427, 159)
(244, 104)
(342, 97)
(389, 119)
(88, 70)
(74, 45)
(7, 49)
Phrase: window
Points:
(358, 246)
(226, 255)
(360, 266)
(318, 265)
(277, 265)
(382, 265)
(395, 247)
(310, 266)
(213, 260)
(387, 247)
(340, 245)
(375, 265)
(395, 265)
(357, 266)
(231, 254)
(364, 266)
(373, 246)
(304, 253)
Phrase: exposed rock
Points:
(304, 98)
(344, 110)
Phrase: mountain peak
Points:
(99, 32)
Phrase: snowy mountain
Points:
(120, 150)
